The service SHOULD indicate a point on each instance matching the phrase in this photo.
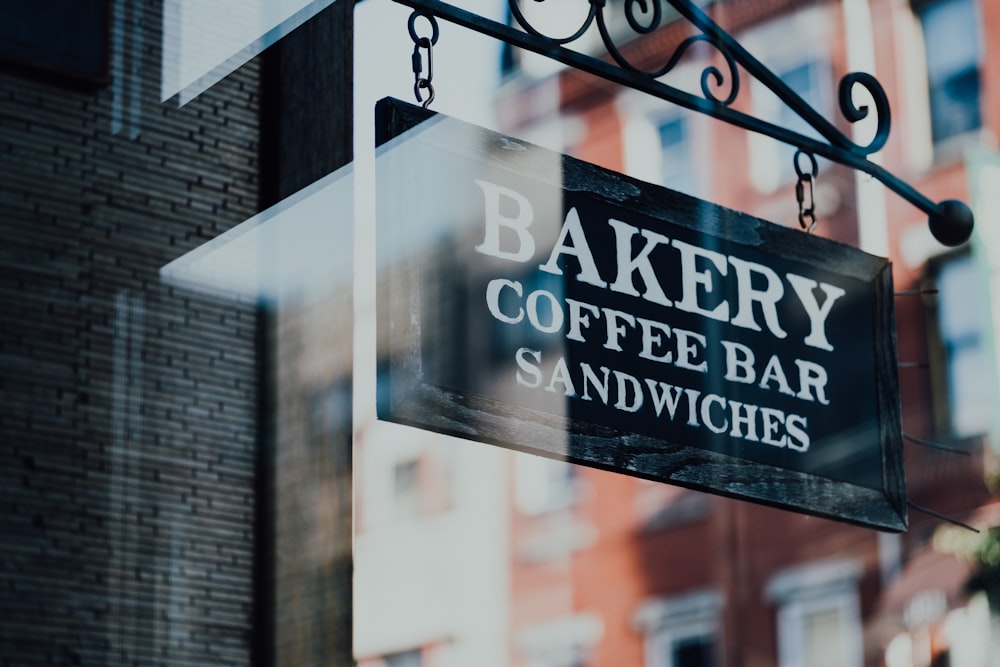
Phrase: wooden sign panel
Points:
(537, 302)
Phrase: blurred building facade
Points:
(603, 569)
(142, 434)
(663, 576)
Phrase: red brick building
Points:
(610, 570)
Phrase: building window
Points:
(423, 483)
(404, 659)
(772, 161)
(961, 312)
(681, 136)
(411, 658)
(564, 641)
(406, 488)
(412, 481)
(819, 617)
(662, 506)
(543, 485)
(61, 37)
(692, 651)
(951, 46)
(675, 154)
(681, 631)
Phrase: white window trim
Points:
(668, 620)
(564, 640)
(963, 324)
(543, 485)
(805, 590)
(641, 116)
(789, 42)
(954, 147)
(916, 123)
(556, 540)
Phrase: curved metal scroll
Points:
(950, 221)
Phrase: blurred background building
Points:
(666, 577)
(610, 570)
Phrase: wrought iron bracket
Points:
(950, 221)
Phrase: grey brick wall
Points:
(127, 407)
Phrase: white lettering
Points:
(496, 221)
(739, 362)
(615, 330)
(534, 377)
(772, 420)
(686, 350)
(706, 413)
(740, 418)
(555, 312)
(747, 295)
(798, 439)
(623, 402)
(812, 376)
(578, 319)
(590, 379)
(774, 371)
(691, 278)
(731, 418)
(628, 265)
(671, 401)
(574, 230)
(561, 375)
(651, 339)
(493, 289)
(804, 289)
(692, 396)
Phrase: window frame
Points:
(643, 115)
(544, 485)
(942, 347)
(807, 590)
(39, 63)
(687, 144)
(802, 38)
(942, 143)
(667, 621)
(770, 170)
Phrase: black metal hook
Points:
(412, 27)
(804, 190)
(421, 82)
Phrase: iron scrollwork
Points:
(950, 221)
(646, 16)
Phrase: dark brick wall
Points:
(304, 590)
(127, 407)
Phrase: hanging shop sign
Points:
(533, 301)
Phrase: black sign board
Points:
(534, 301)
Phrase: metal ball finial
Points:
(952, 222)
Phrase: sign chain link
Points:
(804, 190)
(423, 82)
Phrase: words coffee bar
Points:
(624, 326)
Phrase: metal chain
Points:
(804, 191)
(423, 82)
